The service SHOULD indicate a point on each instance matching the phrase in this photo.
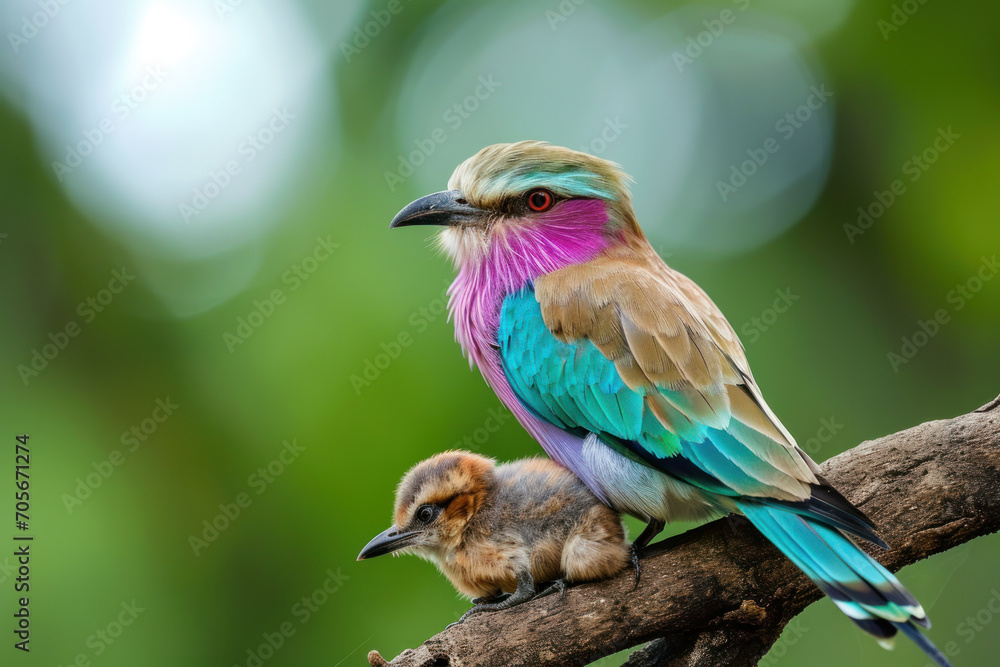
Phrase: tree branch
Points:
(721, 594)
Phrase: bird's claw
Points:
(490, 598)
(487, 603)
(554, 586)
(474, 610)
(634, 554)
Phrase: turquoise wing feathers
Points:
(574, 386)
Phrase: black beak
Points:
(441, 208)
(386, 542)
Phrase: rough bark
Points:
(721, 594)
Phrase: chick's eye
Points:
(540, 200)
(426, 514)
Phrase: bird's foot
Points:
(503, 602)
(652, 529)
(525, 591)
(555, 586)
(506, 600)
(474, 610)
(634, 555)
(486, 599)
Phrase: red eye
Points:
(540, 200)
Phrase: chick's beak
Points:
(386, 542)
(441, 208)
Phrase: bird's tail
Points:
(864, 590)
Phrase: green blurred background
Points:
(287, 131)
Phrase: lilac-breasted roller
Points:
(629, 375)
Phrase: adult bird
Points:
(629, 375)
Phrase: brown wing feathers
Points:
(663, 333)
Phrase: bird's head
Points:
(541, 203)
(435, 501)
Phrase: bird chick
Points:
(497, 531)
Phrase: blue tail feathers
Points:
(864, 590)
(932, 651)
